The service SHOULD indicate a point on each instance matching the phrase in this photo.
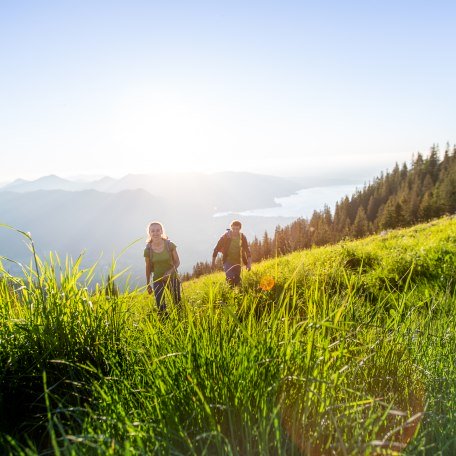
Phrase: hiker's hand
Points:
(149, 289)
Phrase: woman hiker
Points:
(162, 260)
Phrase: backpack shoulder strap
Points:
(149, 247)
(168, 245)
(151, 252)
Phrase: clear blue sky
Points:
(291, 88)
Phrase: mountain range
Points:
(104, 216)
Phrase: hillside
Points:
(380, 261)
(346, 349)
(403, 197)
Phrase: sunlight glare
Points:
(165, 126)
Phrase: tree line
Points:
(405, 196)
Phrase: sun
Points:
(174, 132)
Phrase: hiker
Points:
(234, 247)
(162, 260)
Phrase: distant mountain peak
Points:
(51, 177)
(50, 182)
(19, 181)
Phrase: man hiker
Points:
(234, 247)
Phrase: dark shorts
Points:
(232, 273)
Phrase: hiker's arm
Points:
(148, 273)
(214, 256)
(176, 260)
(176, 263)
(217, 249)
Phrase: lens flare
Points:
(266, 283)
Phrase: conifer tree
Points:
(361, 225)
(266, 246)
(426, 210)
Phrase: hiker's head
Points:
(155, 230)
(236, 226)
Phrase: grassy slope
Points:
(350, 351)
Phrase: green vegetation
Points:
(347, 349)
(400, 198)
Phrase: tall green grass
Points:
(351, 351)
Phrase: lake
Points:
(302, 203)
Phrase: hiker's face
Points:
(155, 231)
(236, 229)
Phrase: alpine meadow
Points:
(227, 228)
(344, 349)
